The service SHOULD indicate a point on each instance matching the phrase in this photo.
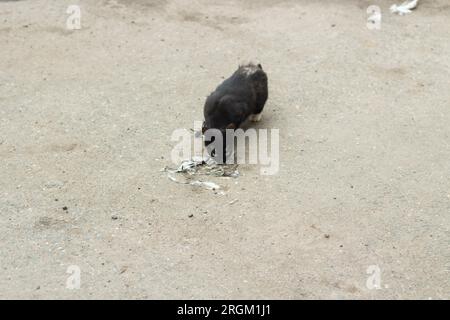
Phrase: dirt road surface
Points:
(362, 197)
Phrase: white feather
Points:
(405, 7)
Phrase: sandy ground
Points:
(85, 123)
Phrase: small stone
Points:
(123, 269)
(54, 184)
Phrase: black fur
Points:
(241, 95)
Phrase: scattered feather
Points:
(188, 170)
(405, 8)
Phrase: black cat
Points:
(240, 97)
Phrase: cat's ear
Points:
(260, 66)
(231, 126)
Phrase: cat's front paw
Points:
(255, 117)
